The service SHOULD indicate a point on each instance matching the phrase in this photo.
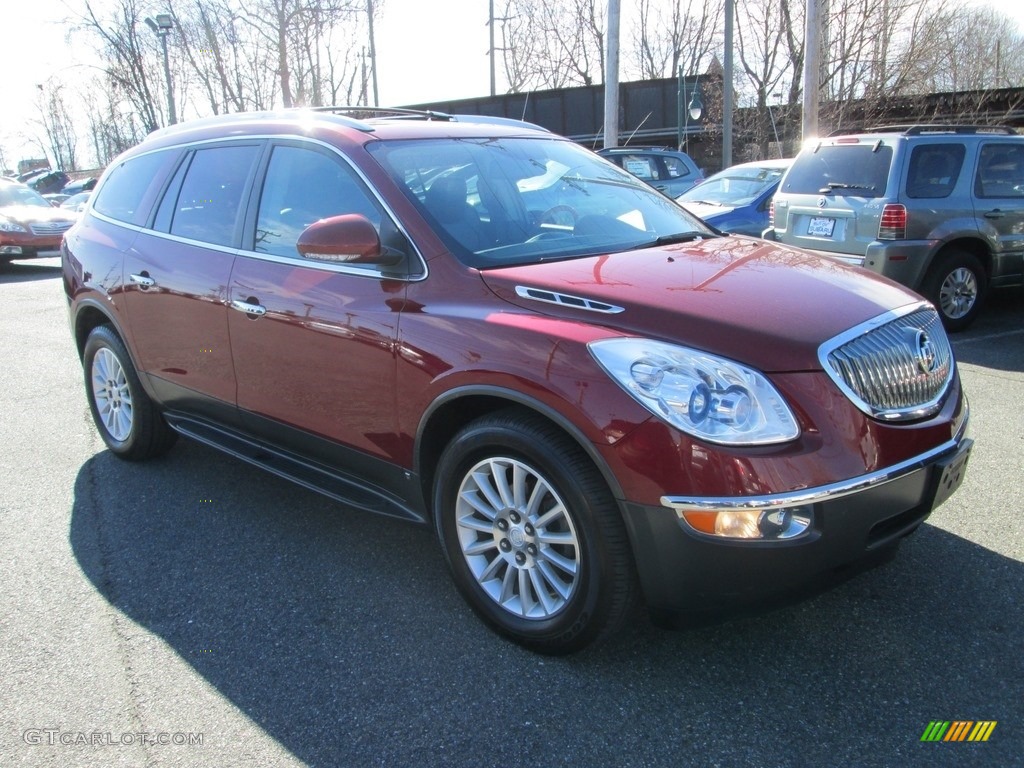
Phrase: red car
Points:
(593, 398)
(29, 225)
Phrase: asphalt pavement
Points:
(195, 611)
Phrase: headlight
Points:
(704, 395)
(6, 225)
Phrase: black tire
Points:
(126, 418)
(538, 603)
(956, 284)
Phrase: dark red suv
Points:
(485, 328)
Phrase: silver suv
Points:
(937, 208)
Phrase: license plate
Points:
(821, 227)
(951, 473)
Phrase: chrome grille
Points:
(44, 228)
(895, 367)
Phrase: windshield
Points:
(733, 186)
(19, 194)
(499, 202)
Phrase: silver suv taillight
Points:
(893, 224)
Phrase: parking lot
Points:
(195, 611)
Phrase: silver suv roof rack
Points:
(920, 129)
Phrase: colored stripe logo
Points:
(959, 730)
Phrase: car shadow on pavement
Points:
(996, 339)
(340, 635)
(26, 272)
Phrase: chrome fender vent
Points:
(566, 300)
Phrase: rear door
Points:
(177, 274)
(999, 205)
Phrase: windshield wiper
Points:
(679, 237)
(834, 185)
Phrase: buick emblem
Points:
(822, 202)
(924, 352)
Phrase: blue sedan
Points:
(737, 199)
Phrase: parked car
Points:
(937, 208)
(558, 370)
(664, 169)
(56, 198)
(79, 185)
(29, 225)
(77, 202)
(47, 182)
(737, 199)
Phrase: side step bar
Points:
(316, 477)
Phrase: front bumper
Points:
(687, 575)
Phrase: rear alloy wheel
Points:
(533, 537)
(956, 286)
(126, 418)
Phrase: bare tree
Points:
(685, 34)
(130, 57)
(58, 128)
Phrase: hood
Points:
(31, 214)
(750, 300)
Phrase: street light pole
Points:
(162, 26)
(693, 111)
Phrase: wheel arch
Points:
(458, 407)
(90, 316)
(972, 245)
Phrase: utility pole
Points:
(727, 88)
(611, 77)
(812, 69)
(373, 52)
(490, 24)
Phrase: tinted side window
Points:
(934, 169)
(126, 185)
(1000, 171)
(211, 193)
(303, 186)
(676, 168)
(856, 170)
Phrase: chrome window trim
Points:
(412, 277)
(884, 414)
(821, 493)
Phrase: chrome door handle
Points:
(144, 280)
(250, 309)
(994, 214)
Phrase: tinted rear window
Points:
(857, 170)
(126, 185)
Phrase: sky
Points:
(427, 50)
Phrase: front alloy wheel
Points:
(533, 537)
(517, 538)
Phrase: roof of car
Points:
(378, 122)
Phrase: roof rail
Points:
(922, 129)
(392, 112)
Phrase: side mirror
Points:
(347, 239)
